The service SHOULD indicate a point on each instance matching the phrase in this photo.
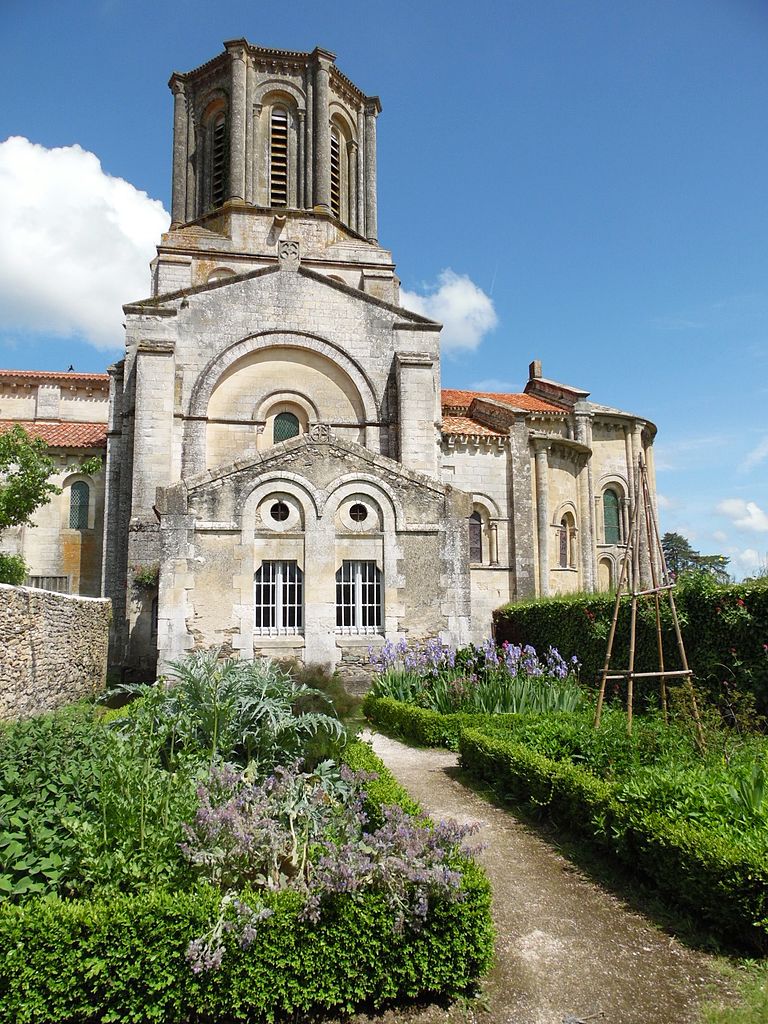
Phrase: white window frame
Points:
(359, 574)
(280, 575)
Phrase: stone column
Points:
(237, 131)
(250, 134)
(300, 149)
(630, 465)
(179, 186)
(360, 227)
(583, 430)
(308, 146)
(541, 449)
(193, 164)
(494, 545)
(352, 180)
(371, 223)
(322, 140)
(521, 514)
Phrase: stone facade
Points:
(62, 545)
(279, 446)
(54, 650)
(280, 455)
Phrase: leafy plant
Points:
(13, 569)
(222, 709)
(145, 577)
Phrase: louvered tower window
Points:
(218, 161)
(611, 517)
(335, 173)
(286, 425)
(79, 496)
(278, 158)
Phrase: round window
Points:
(279, 511)
(358, 513)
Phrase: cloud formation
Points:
(758, 455)
(465, 311)
(746, 515)
(75, 243)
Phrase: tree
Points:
(25, 471)
(681, 557)
(25, 485)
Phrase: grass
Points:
(750, 981)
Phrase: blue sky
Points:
(596, 168)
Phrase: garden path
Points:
(567, 950)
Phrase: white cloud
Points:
(75, 242)
(720, 536)
(465, 311)
(746, 515)
(758, 454)
(664, 502)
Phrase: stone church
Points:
(279, 454)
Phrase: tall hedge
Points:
(725, 632)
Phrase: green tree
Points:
(25, 471)
(681, 558)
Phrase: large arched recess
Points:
(233, 383)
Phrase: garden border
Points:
(124, 958)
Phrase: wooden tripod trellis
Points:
(644, 526)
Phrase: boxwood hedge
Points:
(693, 866)
(420, 725)
(124, 958)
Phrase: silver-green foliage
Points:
(223, 709)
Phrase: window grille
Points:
(475, 537)
(335, 173)
(278, 158)
(286, 426)
(79, 496)
(611, 517)
(219, 161)
(59, 584)
(358, 598)
(279, 599)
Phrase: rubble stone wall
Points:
(53, 649)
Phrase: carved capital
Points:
(320, 432)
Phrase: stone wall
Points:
(53, 649)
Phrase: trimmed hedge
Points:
(724, 630)
(691, 865)
(124, 958)
(424, 727)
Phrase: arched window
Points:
(286, 425)
(219, 161)
(79, 499)
(476, 537)
(278, 157)
(611, 516)
(336, 172)
(567, 554)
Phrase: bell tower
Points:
(274, 130)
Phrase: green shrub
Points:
(13, 569)
(721, 878)
(725, 630)
(421, 726)
(124, 958)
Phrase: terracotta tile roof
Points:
(465, 425)
(43, 375)
(62, 434)
(455, 399)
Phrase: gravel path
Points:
(567, 950)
